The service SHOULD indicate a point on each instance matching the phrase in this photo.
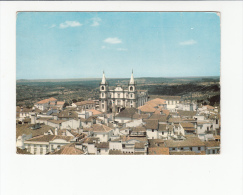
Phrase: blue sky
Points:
(53, 45)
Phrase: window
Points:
(103, 94)
(103, 106)
(41, 150)
(58, 147)
(213, 151)
(118, 95)
(131, 95)
(152, 130)
(102, 88)
(173, 148)
(199, 148)
(35, 149)
(181, 148)
(191, 148)
(162, 133)
(217, 121)
(131, 88)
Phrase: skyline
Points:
(69, 45)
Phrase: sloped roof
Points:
(127, 112)
(159, 117)
(26, 129)
(115, 152)
(139, 145)
(99, 128)
(186, 113)
(48, 138)
(95, 112)
(69, 149)
(60, 102)
(212, 143)
(163, 127)
(188, 142)
(139, 129)
(174, 120)
(171, 97)
(147, 108)
(84, 102)
(158, 151)
(68, 114)
(127, 138)
(152, 124)
(140, 116)
(102, 145)
(158, 101)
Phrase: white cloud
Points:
(70, 24)
(95, 21)
(103, 47)
(52, 26)
(189, 42)
(121, 49)
(112, 40)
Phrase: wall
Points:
(152, 135)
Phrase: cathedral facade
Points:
(114, 100)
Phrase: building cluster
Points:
(126, 123)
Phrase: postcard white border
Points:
(220, 174)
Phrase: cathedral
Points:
(120, 97)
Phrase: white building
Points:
(120, 97)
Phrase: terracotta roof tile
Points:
(158, 151)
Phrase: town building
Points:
(114, 100)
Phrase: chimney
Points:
(56, 131)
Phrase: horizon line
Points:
(119, 77)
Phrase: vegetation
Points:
(205, 90)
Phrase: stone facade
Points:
(121, 97)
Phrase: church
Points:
(115, 100)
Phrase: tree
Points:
(74, 100)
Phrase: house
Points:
(186, 114)
(138, 131)
(152, 127)
(115, 144)
(128, 143)
(49, 103)
(89, 145)
(101, 131)
(140, 148)
(187, 129)
(67, 115)
(191, 143)
(43, 144)
(146, 109)
(102, 148)
(84, 105)
(212, 147)
(158, 151)
(69, 149)
(72, 124)
(161, 118)
(125, 115)
(171, 101)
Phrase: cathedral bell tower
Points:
(132, 92)
(103, 94)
